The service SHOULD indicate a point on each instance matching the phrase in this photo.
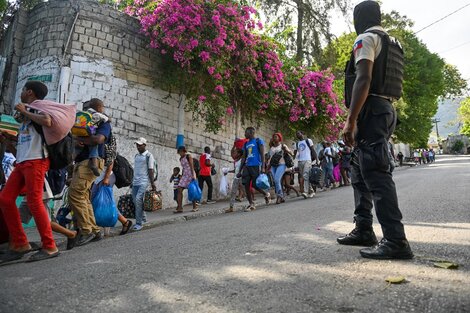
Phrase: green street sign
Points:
(41, 78)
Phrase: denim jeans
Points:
(328, 170)
(138, 193)
(278, 172)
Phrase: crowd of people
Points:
(95, 156)
(28, 171)
(369, 92)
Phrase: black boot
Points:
(359, 236)
(386, 249)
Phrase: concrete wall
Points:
(108, 58)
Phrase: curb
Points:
(192, 216)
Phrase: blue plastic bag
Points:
(194, 192)
(262, 182)
(104, 207)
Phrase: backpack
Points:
(60, 153)
(56, 180)
(315, 176)
(155, 167)
(123, 171)
(197, 166)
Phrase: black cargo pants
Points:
(371, 175)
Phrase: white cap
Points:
(141, 141)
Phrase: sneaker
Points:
(304, 195)
(84, 239)
(229, 210)
(210, 201)
(98, 236)
(311, 195)
(137, 227)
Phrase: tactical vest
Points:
(387, 71)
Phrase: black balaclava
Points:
(366, 14)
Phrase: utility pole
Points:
(436, 121)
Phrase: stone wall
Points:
(106, 57)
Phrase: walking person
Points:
(32, 163)
(83, 178)
(175, 180)
(326, 158)
(306, 155)
(236, 182)
(205, 173)
(189, 174)
(107, 178)
(252, 165)
(370, 123)
(277, 164)
(143, 178)
(400, 157)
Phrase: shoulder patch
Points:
(357, 45)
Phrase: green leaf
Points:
(395, 279)
(446, 265)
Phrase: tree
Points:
(212, 52)
(464, 114)
(307, 22)
(8, 10)
(427, 78)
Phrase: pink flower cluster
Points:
(236, 68)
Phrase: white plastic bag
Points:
(223, 189)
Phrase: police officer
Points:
(371, 120)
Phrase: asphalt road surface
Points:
(280, 258)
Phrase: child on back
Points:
(97, 118)
(175, 179)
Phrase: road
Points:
(280, 258)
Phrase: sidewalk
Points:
(166, 216)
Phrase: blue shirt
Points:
(251, 149)
(105, 130)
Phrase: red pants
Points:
(28, 175)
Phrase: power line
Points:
(453, 48)
(437, 21)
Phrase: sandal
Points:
(195, 209)
(11, 255)
(42, 255)
(126, 227)
(267, 198)
(177, 211)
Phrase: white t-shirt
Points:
(141, 176)
(328, 150)
(7, 163)
(303, 150)
(237, 166)
(30, 145)
(367, 45)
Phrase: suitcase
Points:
(152, 200)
